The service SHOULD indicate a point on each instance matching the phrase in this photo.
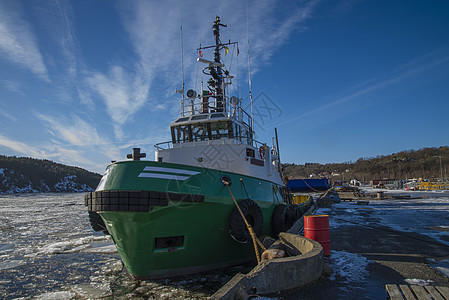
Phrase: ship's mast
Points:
(217, 82)
(215, 68)
(182, 63)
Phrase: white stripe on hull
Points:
(170, 170)
(163, 176)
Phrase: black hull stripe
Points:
(134, 201)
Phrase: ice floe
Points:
(9, 264)
(63, 295)
(77, 245)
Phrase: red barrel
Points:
(316, 227)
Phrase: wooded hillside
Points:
(25, 175)
(423, 163)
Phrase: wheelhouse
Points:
(209, 127)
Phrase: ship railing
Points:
(164, 145)
(258, 144)
(197, 106)
(238, 139)
(246, 118)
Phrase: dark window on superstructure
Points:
(182, 119)
(221, 115)
(246, 135)
(182, 133)
(200, 117)
(209, 133)
(237, 132)
(189, 133)
(230, 129)
(219, 130)
(250, 152)
(173, 135)
(199, 132)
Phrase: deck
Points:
(413, 292)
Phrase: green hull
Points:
(202, 228)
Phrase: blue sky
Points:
(83, 82)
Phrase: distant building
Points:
(385, 183)
(354, 182)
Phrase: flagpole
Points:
(249, 75)
(182, 60)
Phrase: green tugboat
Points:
(175, 215)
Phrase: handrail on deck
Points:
(197, 106)
(253, 142)
(159, 147)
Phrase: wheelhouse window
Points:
(237, 132)
(242, 134)
(207, 131)
(219, 130)
(200, 132)
(181, 133)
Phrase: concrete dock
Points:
(303, 267)
(383, 242)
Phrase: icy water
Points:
(49, 251)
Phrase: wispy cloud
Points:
(58, 21)
(54, 151)
(155, 40)
(57, 28)
(14, 86)
(65, 35)
(146, 82)
(8, 115)
(74, 131)
(154, 33)
(85, 99)
(76, 157)
(415, 67)
(18, 44)
(269, 32)
(74, 141)
(343, 7)
(123, 94)
(20, 147)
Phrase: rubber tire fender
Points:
(253, 215)
(283, 218)
(96, 222)
(299, 210)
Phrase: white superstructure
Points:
(215, 132)
(219, 141)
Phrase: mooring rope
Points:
(244, 187)
(248, 226)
